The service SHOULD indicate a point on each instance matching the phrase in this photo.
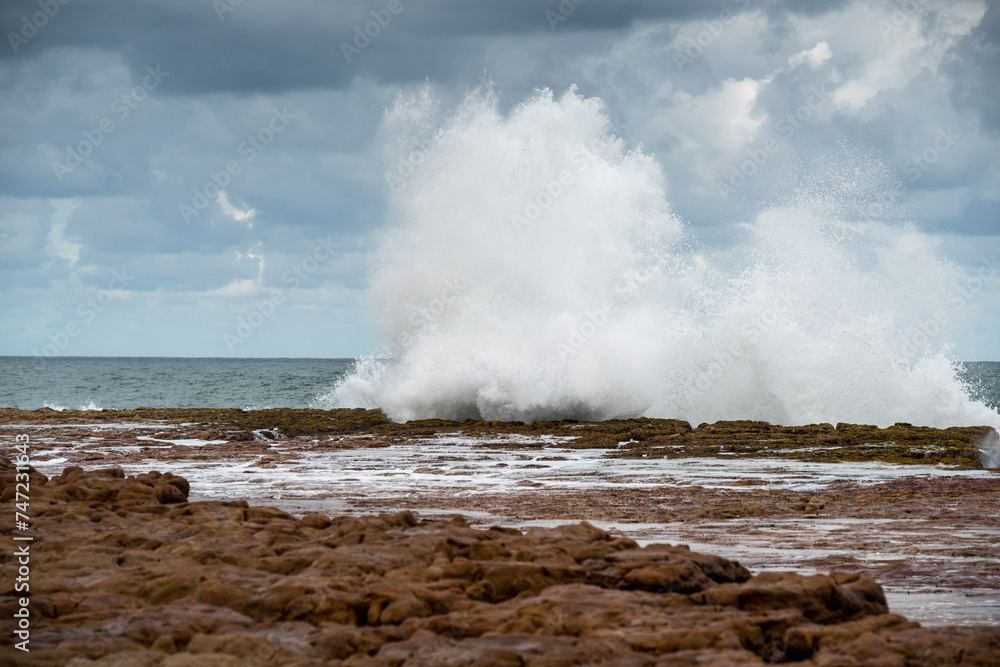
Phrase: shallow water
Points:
(935, 572)
(470, 466)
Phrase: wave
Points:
(533, 269)
(89, 405)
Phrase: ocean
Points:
(130, 382)
(168, 382)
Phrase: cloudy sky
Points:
(169, 168)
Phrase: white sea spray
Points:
(579, 293)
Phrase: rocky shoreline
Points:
(127, 572)
(351, 548)
(959, 446)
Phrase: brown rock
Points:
(502, 581)
(119, 578)
(685, 578)
(221, 594)
(133, 489)
(282, 564)
(819, 597)
(182, 484)
(401, 608)
(169, 493)
(315, 521)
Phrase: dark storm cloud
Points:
(976, 69)
(267, 47)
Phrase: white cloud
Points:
(241, 288)
(914, 243)
(57, 245)
(250, 254)
(237, 288)
(815, 56)
(896, 47)
(723, 118)
(236, 214)
(711, 129)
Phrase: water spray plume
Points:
(532, 269)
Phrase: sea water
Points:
(130, 382)
(97, 383)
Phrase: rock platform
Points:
(126, 572)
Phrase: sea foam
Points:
(533, 269)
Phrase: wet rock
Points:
(820, 598)
(121, 578)
(103, 486)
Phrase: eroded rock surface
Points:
(125, 572)
(248, 430)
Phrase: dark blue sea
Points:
(131, 382)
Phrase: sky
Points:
(204, 177)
